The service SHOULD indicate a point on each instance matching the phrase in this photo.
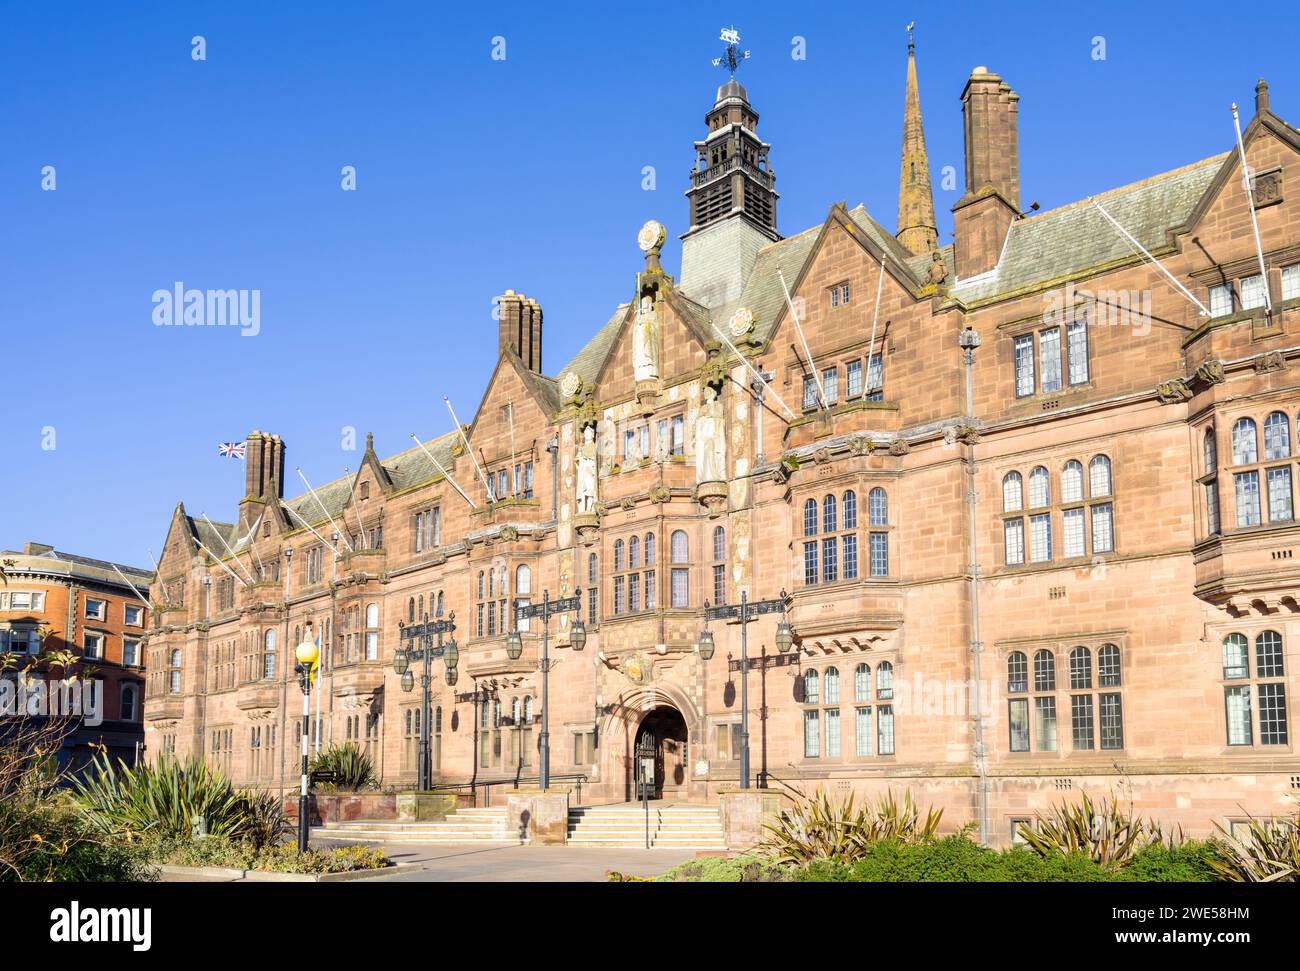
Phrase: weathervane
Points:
(910, 43)
(731, 56)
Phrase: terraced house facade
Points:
(1031, 508)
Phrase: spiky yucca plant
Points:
(170, 799)
(350, 765)
(1107, 832)
(1269, 853)
(823, 828)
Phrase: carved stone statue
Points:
(587, 471)
(645, 341)
(710, 440)
(938, 270)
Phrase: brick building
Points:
(53, 601)
(1025, 463)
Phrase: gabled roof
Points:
(1073, 239)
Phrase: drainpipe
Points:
(969, 341)
(553, 446)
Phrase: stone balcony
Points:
(850, 418)
(166, 708)
(1250, 571)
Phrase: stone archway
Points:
(662, 731)
(618, 731)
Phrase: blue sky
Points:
(474, 176)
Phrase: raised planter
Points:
(421, 807)
(175, 873)
(340, 807)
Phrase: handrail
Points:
(512, 781)
(772, 775)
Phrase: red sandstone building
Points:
(54, 601)
(1025, 461)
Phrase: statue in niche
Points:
(587, 471)
(710, 440)
(645, 341)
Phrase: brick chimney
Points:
(520, 328)
(991, 203)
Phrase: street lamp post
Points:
(306, 654)
(515, 647)
(417, 645)
(743, 613)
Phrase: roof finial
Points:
(370, 441)
(731, 54)
(1261, 97)
(911, 44)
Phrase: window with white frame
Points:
(92, 645)
(133, 615)
(131, 651)
(1252, 292)
(1291, 282)
(1221, 300)
(680, 577)
(96, 609)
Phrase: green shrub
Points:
(1190, 862)
(280, 858)
(168, 799)
(717, 869)
(350, 766)
(42, 835)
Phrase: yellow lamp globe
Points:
(307, 653)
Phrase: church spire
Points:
(916, 225)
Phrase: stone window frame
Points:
(1247, 679)
(1033, 329)
(1065, 686)
(1262, 468)
(1057, 507)
(810, 545)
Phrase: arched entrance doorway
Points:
(661, 742)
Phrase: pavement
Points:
(524, 864)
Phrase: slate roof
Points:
(1072, 239)
(49, 560)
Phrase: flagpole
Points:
(227, 546)
(445, 474)
(1250, 198)
(875, 316)
(821, 393)
(289, 509)
(221, 562)
(298, 469)
(1160, 266)
(132, 586)
(753, 370)
(514, 484)
(464, 438)
(352, 492)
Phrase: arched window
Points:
(514, 711)
(1211, 451)
(439, 612)
(1044, 671)
(1098, 477)
(1268, 654)
(1244, 450)
(410, 610)
(812, 692)
(1277, 437)
(523, 579)
(619, 559)
(174, 676)
(528, 709)
(681, 547)
(810, 518)
(850, 503)
(372, 615)
(828, 515)
(1236, 657)
(877, 507)
(1017, 672)
(372, 632)
(719, 543)
(633, 552)
(649, 549)
(862, 683)
(1012, 492)
(268, 653)
(832, 686)
(480, 585)
(1080, 668)
(1108, 666)
(884, 681)
(1040, 492)
(1072, 482)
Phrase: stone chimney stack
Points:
(263, 475)
(520, 328)
(991, 203)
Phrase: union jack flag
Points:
(232, 450)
